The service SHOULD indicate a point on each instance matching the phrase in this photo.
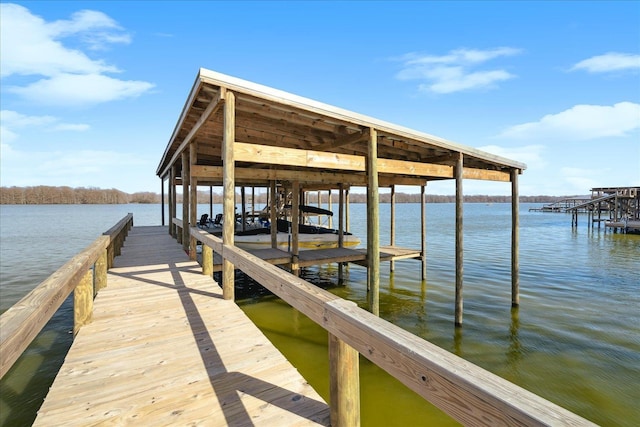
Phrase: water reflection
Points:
(514, 351)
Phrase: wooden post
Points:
(185, 200)
(211, 202)
(515, 239)
(207, 260)
(162, 201)
(346, 210)
(253, 204)
(243, 204)
(344, 384)
(295, 227)
(273, 214)
(330, 207)
(170, 200)
(229, 197)
(83, 302)
(373, 225)
(100, 272)
(319, 205)
(174, 201)
(193, 199)
(341, 229)
(392, 242)
(459, 239)
(423, 231)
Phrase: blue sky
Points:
(91, 91)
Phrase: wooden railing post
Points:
(344, 383)
(83, 302)
(100, 272)
(207, 260)
(110, 255)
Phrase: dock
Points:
(327, 256)
(164, 347)
(617, 207)
(156, 343)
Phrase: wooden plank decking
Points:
(164, 348)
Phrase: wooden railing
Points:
(466, 392)
(84, 275)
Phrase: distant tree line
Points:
(40, 195)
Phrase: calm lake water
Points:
(575, 339)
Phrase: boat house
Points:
(234, 133)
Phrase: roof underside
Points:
(266, 117)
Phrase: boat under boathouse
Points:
(236, 134)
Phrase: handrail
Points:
(84, 274)
(592, 202)
(463, 390)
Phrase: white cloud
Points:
(71, 127)
(455, 71)
(581, 122)
(609, 62)
(80, 89)
(33, 47)
(11, 121)
(529, 154)
(581, 179)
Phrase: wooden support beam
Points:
(170, 201)
(341, 229)
(373, 226)
(273, 214)
(459, 240)
(243, 204)
(515, 239)
(346, 210)
(344, 139)
(83, 302)
(173, 208)
(392, 225)
(295, 227)
(162, 221)
(330, 207)
(344, 383)
(229, 203)
(212, 108)
(100, 272)
(423, 231)
(207, 260)
(193, 198)
(185, 200)
(255, 153)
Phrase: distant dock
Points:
(617, 207)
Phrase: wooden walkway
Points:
(164, 348)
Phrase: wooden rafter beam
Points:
(253, 153)
(213, 106)
(345, 138)
(214, 174)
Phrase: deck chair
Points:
(204, 221)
